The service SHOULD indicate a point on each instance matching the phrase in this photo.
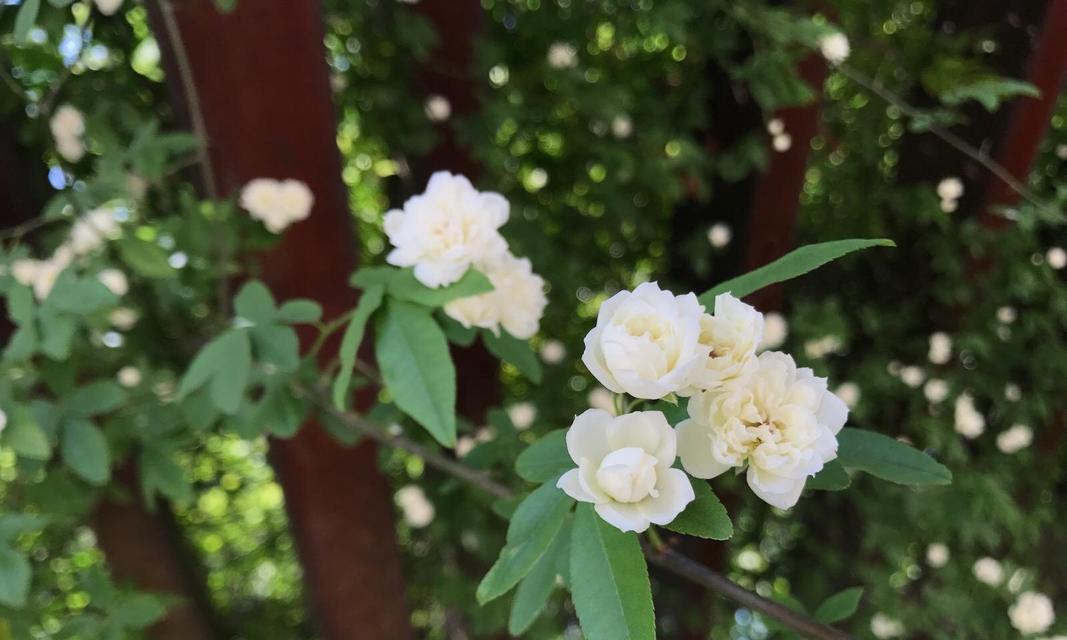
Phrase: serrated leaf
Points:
(535, 588)
(404, 286)
(833, 477)
(704, 517)
(254, 303)
(889, 459)
(515, 351)
(793, 264)
(14, 577)
(299, 312)
(145, 258)
(545, 459)
(839, 606)
(85, 451)
(417, 369)
(94, 398)
(609, 581)
(353, 337)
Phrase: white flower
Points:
(1012, 392)
(522, 415)
(114, 280)
(882, 626)
(1006, 314)
(968, 421)
(438, 108)
(775, 127)
(624, 468)
(731, 336)
(1056, 258)
(3, 420)
(464, 445)
(782, 142)
(1015, 439)
(775, 331)
(123, 318)
(108, 7)
(1061, 151)
(446, 229)
(937, 555)
(822, 347)
(781, 422)
(988, 571)
(935, 390)
(950, 188)
(849, 392)
(40, 275)
(835, 47)
(719, 235)
(622, 126)
(68, 128)
(949, 206)
(129, 376)
(562, 55)
(516, 302)
(601, 398)
(553, 352)
(90, 231)
(940, 348)
(417, 509)
(1032, 613)
(277, 203)
(912, 376)
(646, 342)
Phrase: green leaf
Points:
(160, 474)
(254, 303)
(280, 414)
(545, 459)
(80, 296)
(145, 258)
(534, 589)
(20, 305)
(531, 531)
(833, 477)
(26, 18)
(889, 459)
(704, 517)
(518, 352)
(226, 362)
(94, 398)
(57, 334)
(139, 610)
(23, 343)
(609, 581)
(404, 286)
(13, 525)
(416, 368)
(85, 451)
(277, 345)
(25, 436)
(793, 264)
(14, 577)
(458, 334)
(989, 91)
(299, 312)
(839, 606)
(368, 304)
(370, 276)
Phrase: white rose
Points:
(1056, 258)
(782, 143)
(277, 203)
(108, 7)
(1015, 439)
(937, 555)
(40, 275)
(68, 127)
(624, 468)
(1032, 613)
(950, 188)
(622, 126)
(438, 108)
(849, 392)
(446, 229)
(912, 376)
(719, 235)
(989, 571)
(522, 415)
(835, 48)
(417, 509)
(940, 351)
(646, 342)
(70, 149)
(775, 331)
(516, 302)
(731, 335)
(562, 55)
(129, 376)
(935, 390)
(969, 423)
(1006, 314)
(123, 318)
(90, 231)
(882, 626)
(601, 398)
(781, 422)
(114, 280)
(553, 352)
(3, 420)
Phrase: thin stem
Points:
(327, 329)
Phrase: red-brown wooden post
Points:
(262, 95)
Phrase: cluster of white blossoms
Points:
(562, 55)
(453, 227)
(68, 131)
(1015, 439)
(1032, 613)
(780, 140)
(87, 234)
(950, 190)
(417, 509)
(277, 203)
(968, 421)
(835, 47)
(746, 409)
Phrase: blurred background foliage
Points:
(629, 137)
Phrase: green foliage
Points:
(514, 351)
(545, 459)
(840, 606)
(889, 459)
(705, 517)
(536, 586)
(353, 337)
(224, 364)
(833, 477)
(85, 451)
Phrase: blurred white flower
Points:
(646, 342)
(68, 128)
(731, 335)
(775, 331)
(780, 421)
(129, 376)
(937, 555)
(622, 126)
(1032, 613)
(438, 108)
(883, 627)
(940, 348)
(522, 415)
(949, 206)
(849, 392)
(136, 186)
(835, 47)
(108, 7)
(1012, 392)
(822, 347)
(624, 468)
(782, 142)
(950, 188)
(775, 127)
(277, 203)
(446, 229)
(987, 570)
(969, 423)
(123, 318)
(40, 275)
(1015, 439)
(912, 376)
(1061, 151)
(562, 55)
(601, 398)
(1056, 258)
(935, 390)
(553, 352)
(114, 280)
(1006, 315)
(417, 509)
(464, 445)
(516, 302)
(3, 420)
(719, 235)
(90, 231)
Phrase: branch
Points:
(664, 557)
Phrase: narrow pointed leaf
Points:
(368, 304)
(889, 459)
(704, 517)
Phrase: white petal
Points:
(762, 487)
(833, 412)
(624, 517)
(647, 430)
(694, 448)
(572, 486)
(593, 357)
(587, 437)
(675, 493)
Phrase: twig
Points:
(662, 557)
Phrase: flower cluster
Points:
(87, 234)
(747, 410)
(277, 203)
(68, 129)
(453, 227)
